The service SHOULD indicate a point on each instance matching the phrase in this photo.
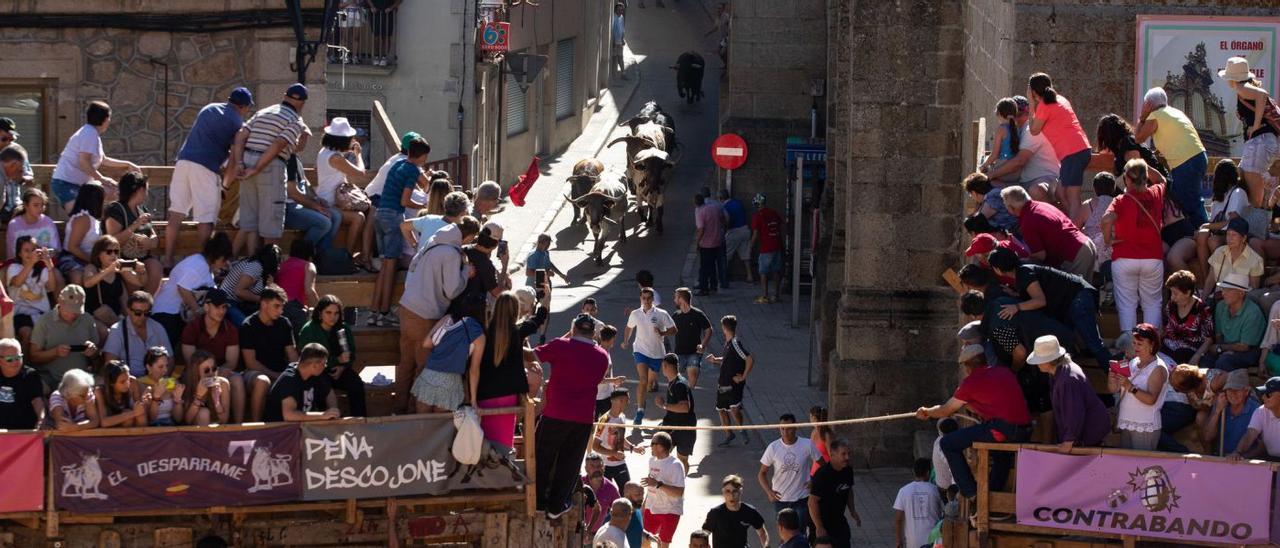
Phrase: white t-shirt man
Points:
(612, 438)
(87, 140)
(1266, 423)
(669, 471)
(609, 533)
(921, 509)
(941, 469)
(791, 465)
(374, 188)
(648, 341)
(190, 273)
(1043, 162)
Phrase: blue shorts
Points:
(690, 360)
(654, 363)
(63, 191)
(770, 262)
(1071, 172)
(387, 228)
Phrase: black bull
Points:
(689, 67)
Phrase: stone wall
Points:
(988, 70)
(896, 321)
(777, 48)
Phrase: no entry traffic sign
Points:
(729, 151)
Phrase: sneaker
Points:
(639, 417)
(374, 318)
(389, 320)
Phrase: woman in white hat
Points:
(1260, 145)
(338, 162)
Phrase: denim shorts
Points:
(690, 360)
(1071, 172)
(64, 192)
(390, 240)
(770, 263)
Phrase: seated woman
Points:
(165, 390)
(29, 280)
(207, 396)
(105, 280)
(1229, 202)
(30, 220)
(327, 328)
(1199, 384)
(246, 278)
(83, 229)
(338, 160)
(1188, 398)
(453, 345)
(74, 405)
(1234, 258)
(1188, 323)
(115, 398)
(130, 223)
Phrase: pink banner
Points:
(1175, 498)
(22, 467)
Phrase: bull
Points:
(652, 112)
(689, 67)
(604, 205)
(647, 169)
(586, 173)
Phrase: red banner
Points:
(22, 467)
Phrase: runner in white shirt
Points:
(650, 325)
(917, 508)
(791, 458)
(664, 491)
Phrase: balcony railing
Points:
(363, 35)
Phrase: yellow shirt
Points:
(1248, 263)
(1175, 137)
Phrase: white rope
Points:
(861, 420)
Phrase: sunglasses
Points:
(137, 312)
(111, 251)
(11, 359)
(206, 371)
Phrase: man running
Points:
(679, 407)
(650, 324)
(693, 332)
(729, 522)
(735, 366)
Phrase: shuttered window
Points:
(517, 122)
(564, 78)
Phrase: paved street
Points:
(778, 385)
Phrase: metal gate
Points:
(564, 78)
(517, 122)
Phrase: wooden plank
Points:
(495, 531)
(982, 471)
(519, 534)
(110, 539)
(978, 136)
(953, 280)
(530, 457)
(173, 537)
(388, 129)
(543, 532)
(1003, 503)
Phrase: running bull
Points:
(689, 67)
(605, 206)
(648, 167)
(586, 173)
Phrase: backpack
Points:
(335, 261)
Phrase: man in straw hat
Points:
(1264, 426)
(1078, 413)
(1238, 325)
(1228, 420)
(993, 394)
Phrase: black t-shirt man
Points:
(474, 297)
(16, 394)
(689, 328)
(1059, 288)
(729, 528)
(268, 341)
(678, 391)
(311, 394)
(735, 362)
(832, 488)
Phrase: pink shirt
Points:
(579, 366)
(710, 218)
(1061, 127)
(1047, 228)
(292, 278)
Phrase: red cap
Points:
(982, 243)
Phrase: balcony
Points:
(363, 35)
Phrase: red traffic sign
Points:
(729, 151)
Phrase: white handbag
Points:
(468, 444)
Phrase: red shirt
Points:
(1137, 234)
(1047, 228)
(768, 225)
(579, 366)
(993, 393)
(1062, 128)
(195, 335)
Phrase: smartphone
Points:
(502, 248)
(1120, 368)
(79, 347)
(128, 263)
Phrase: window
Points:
(564, 79)
(26, 107)
(517, 122)
(362, 121)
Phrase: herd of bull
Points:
(602, 201)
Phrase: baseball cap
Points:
(408, 136)
(297, 91)
(217, 297)
(1239, 225)
(1237, 379)
(584, 322)
(757, 199)
(982, 243)
(495, 230)
(241, 96)
(72, 296)
(7, 124)
(1022, 102)
(971, 332)
(971, 351)
(1272, 385)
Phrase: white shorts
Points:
(737, 242)
(197, 190)
(1258, 154)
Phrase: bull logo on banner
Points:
(269, 469)
(82, 480)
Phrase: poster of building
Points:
(1183, 55)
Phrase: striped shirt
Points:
(238, 271)
(271, 123)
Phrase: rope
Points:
(862, 420)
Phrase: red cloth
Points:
(6, 303)
(1137, 234)
(579, 367)
(1047, 228)
(767, 224)
(22, 461)
(521, 188)
(993, 393)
